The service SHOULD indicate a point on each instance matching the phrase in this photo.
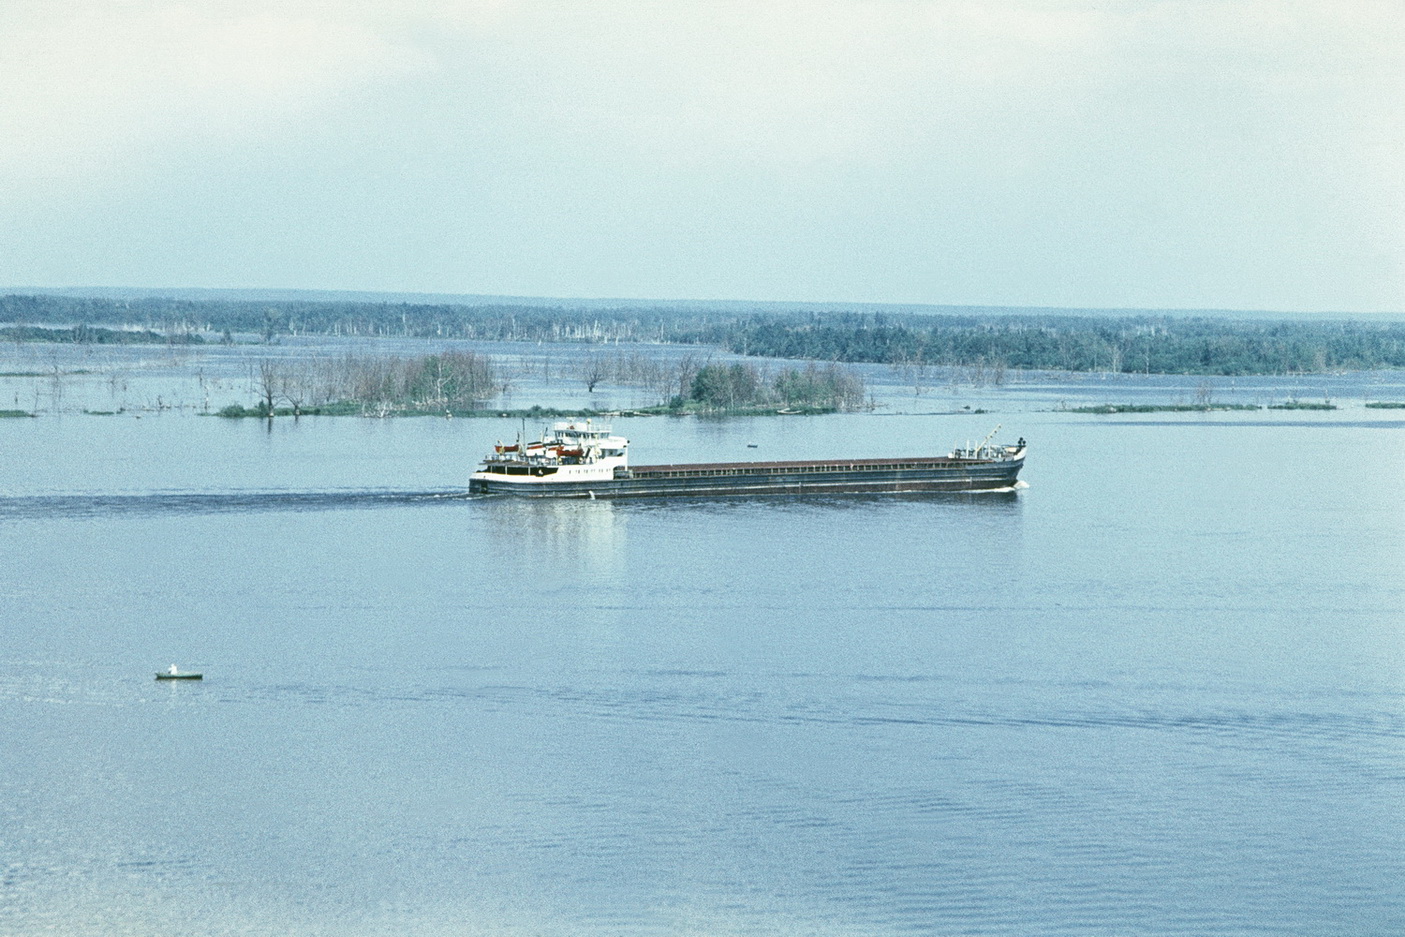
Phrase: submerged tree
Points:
(268, 380)
(590, 370)
(454, 380)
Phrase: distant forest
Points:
(1149, 343)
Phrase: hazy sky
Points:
(1163, 154)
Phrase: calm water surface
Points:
(1158, 692)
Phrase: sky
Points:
(1235, 154)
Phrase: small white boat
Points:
(175, 673)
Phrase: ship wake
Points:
(26, 507)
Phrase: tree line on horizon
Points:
(1151, 344)
(1132, 345)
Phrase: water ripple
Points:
(703, 697)
(47, 507)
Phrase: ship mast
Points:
(988, 438)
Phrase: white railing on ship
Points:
(983, 452)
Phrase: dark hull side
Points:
(871, 476)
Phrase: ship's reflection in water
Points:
(583, 546)
(558, 537)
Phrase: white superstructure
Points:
(570, 451)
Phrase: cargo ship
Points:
(582, 460)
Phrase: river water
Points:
(1160, 691)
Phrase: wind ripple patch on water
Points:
(80, 506)
(891, 800)
(779, 704)
(898, 713)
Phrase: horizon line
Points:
(255, 294)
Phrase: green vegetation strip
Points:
(90, 335)
(1163, 408)
(238, 411)
(6, 414)
(1387, 405)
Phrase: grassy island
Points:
(461, 383)
(95, 335)
(237, 411)
(1164, 408)
(1209, 407)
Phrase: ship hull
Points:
(868, 476)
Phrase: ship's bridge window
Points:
(609, 453)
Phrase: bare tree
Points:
(685, 372)
(56, 389)
(296, 385)
(591, 370)
(268, 380)
(912, 369)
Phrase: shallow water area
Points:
(1161, 691)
